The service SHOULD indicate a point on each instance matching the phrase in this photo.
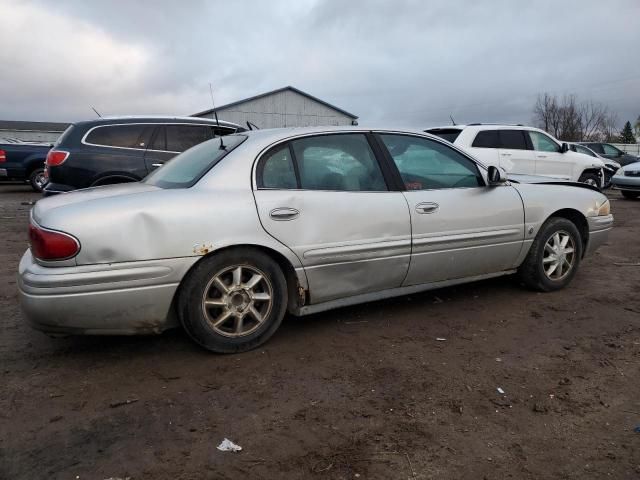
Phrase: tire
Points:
(215, 326)
(630, 195)
(590, 179)
(533, 273)
(37, 180)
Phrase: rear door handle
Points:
(542, 156)
(505, 154)
(427, 207)
(284, 213)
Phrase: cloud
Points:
(403, 63)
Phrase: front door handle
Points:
(157, 164)
(542, 156)
(427, 207)
(505, 154)
(284, 214)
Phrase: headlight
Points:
(620, 171)
(605, 208)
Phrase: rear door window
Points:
(122, 136)
(512, 140)
(183, 137)
(276, 170)
(343, 162)
(486, 139)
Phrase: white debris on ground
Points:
(228, 446)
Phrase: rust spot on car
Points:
(202, 248)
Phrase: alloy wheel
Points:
(237, 300)
(559, 255)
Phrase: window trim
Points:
(157, 124)
(479, 166)
(267, 150)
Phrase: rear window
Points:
(64, 135)
(122, 136)
(448, 134)
(186, 169)
(486, 139)
(513, 139)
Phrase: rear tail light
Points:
(52, 245)
(3, 156)
(56, 157)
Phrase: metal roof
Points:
(288, 87)
(33, 126)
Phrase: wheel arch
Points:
(297, 294)
(111, 179)
(579, 220)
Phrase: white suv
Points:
(523, 150)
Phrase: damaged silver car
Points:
(231, 234)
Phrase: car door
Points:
(460, 227)
(327, 199)
(515, 154)
(550, 161)
(171, 140)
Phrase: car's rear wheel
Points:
(554, 257)
(37, 179)
(590, 179)
(630, 195)
(233, 301)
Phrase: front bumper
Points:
(107, 299)
(623, 182)
(599, 228)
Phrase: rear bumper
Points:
(110, 299)
(599, 228)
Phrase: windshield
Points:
(186, 169)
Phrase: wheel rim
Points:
(591, 181)
(559, 255)
(40, 180)
(237, 300)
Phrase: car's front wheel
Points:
(554, 257)
(590, 179)
(630, 195)
(233, 301)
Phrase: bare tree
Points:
(609, 128)
(568, 119)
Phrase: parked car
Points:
(612, 152)
(234, 232)
(123, 149)
(610, 166)
(23, 161)
(523, 150)
(627, 180)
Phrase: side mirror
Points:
(496, 175)
(564, 148)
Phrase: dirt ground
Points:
(363, 392)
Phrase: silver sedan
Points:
(627, 180)
(231, 234)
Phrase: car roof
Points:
(153, 119)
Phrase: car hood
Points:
(635, 166)
(48, 204)
(538, 179)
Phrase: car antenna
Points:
(222, 147)
(97, 113)
(453, 122)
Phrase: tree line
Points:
(568, 118)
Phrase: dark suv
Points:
(126, 149)
(609, 151)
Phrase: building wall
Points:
(30, 135)
(283, 109)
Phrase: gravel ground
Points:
(361, 392)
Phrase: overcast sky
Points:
(393, 62)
